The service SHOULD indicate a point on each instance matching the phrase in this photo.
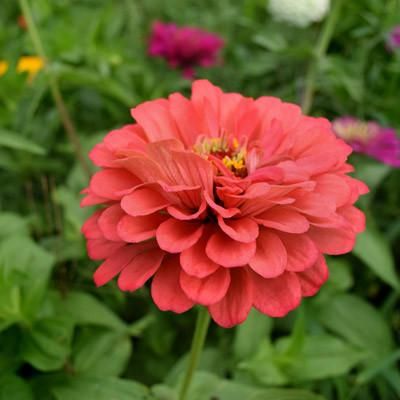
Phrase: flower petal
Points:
(333, 241)
(195, 261)
(175, 236)
(108, 183)
(277, 296)
(301, 251)
(270, 258)
(140, 269)
(283, 219)
(166, 290)
(208, 290)
(228, 252)
(99, 249)
(143, 201)
(114, 264)
(138, 229)
(235, 306)
(313, 278)
(242, 229)
(108, 221)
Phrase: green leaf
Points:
(98, 353)
(85, 309)
(47, 344)
(264, 367)
(13, 140)
(358, 322)
(13, 387)
(374, 250)
(340, 277)
(249, 334)
(12, 224)
(206, 386)
(24, 277)
(322, 356)
(100, 389)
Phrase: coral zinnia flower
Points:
(370, 138)
(229, 202)
(184, 47)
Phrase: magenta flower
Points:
(393, 41)
(184, 47)
(370, 138)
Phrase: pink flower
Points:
(226, 201)
(393, 41)
(370, 138)
(184, 47)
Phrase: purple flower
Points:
(393, 41)
(370, 138)
(184, 47)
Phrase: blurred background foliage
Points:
(63, 339)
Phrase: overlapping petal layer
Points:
(227, 201)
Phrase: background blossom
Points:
(184, 47)
(370, 138)
(299, 12)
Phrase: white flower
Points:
(299, 12)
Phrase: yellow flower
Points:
(30, 64)
(3, 67)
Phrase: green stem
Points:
(54, 87)
(203, 320)
(319, 53)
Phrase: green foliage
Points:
(63, 339)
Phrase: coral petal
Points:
(138, 229)
(208, 290)
(108, 222)
(313, 278)
(235, 306)
(166, 290)
(175, 236)
(143, 201)
(243, 230)
(270, 258)
(228, 252)
(140, 269)
(277, 296)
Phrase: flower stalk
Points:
(318, 55)
(200, 333)
(54, 87)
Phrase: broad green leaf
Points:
(264, 367)
(47, 344)
(206, 386)
(15, 141)
(106, 388)
(358, 322)
(340, 277)
(249, 334)
(374, 250)
(101, 353)
(25, 269)
(322, 356)
(13, 387)
(12, 224)
(85, 309)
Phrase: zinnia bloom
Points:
(299, 12)
(370, 138)
(393, 41)
(226, 201)
(184, 47)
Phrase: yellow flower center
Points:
(228, 151)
